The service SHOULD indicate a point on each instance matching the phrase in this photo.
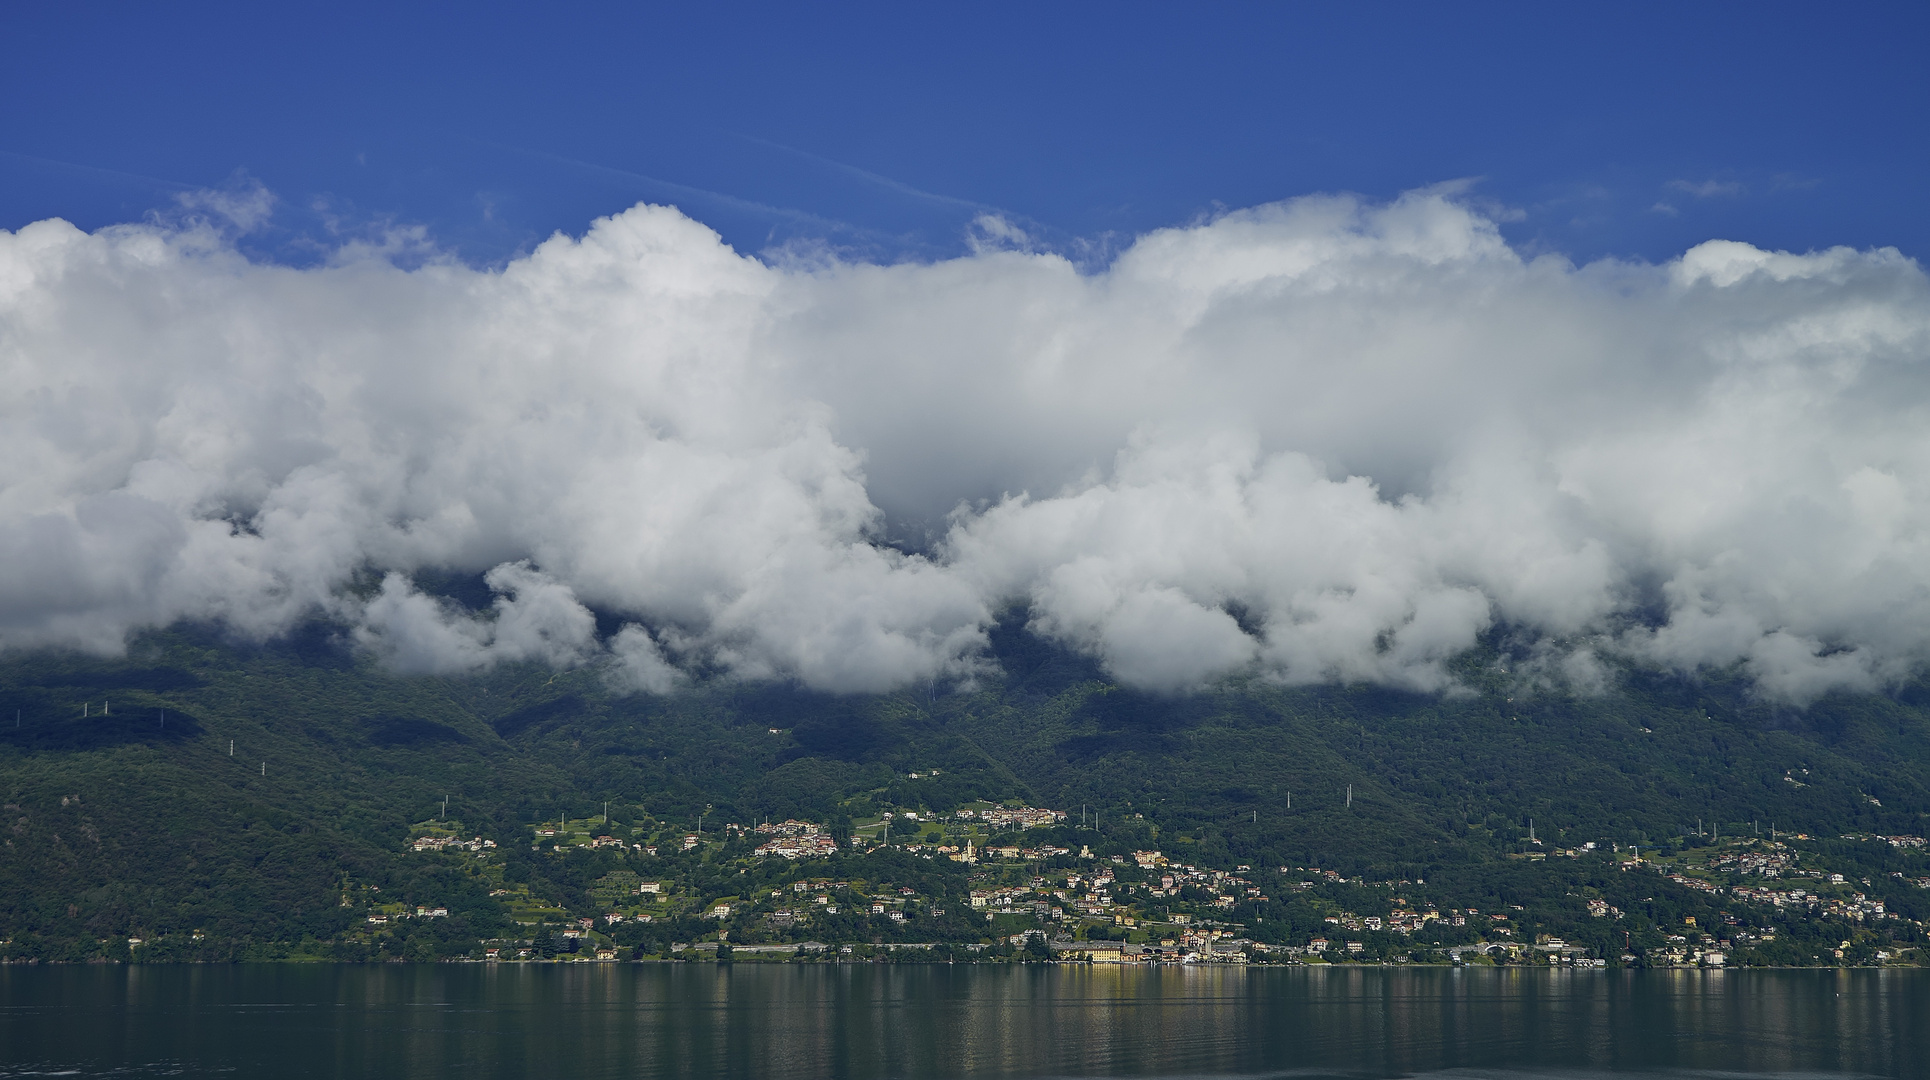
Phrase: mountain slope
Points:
(250, 793)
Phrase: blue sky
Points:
(1628, 129)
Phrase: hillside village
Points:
(987, 882)
(1049, 817)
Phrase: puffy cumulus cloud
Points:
(1318, 440)
(1157, 569)
(200, 437)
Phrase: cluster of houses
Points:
(381, 919)
(1774, 861)
(792, 839)
(1695, 884)
(616, 917)
(1900, 842)
(1009, 817)
(821, 892)
(1076, 894)
(972, 853)
(450, 843)
(795, 840)
(1858, 908)
(602, 953)
(550, 832)
(1092, 893)
(1680, 953)
(891, 905)
(1193, 947)
(1400, 921)
(1225, 888)
(1916, 843)
(1098, 894)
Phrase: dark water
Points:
(866, 1021)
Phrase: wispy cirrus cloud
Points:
(1709, 189)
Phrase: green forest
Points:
(204, 799)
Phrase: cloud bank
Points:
(1319, 440)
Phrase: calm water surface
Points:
(864, 1021)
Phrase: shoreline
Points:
(907, 962)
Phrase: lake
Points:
(865, 1021)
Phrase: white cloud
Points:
(1317, 440)
(534, 618)
(245, 204)
(639, 663)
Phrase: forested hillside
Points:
(255, 800)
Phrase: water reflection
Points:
(866, 1021)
